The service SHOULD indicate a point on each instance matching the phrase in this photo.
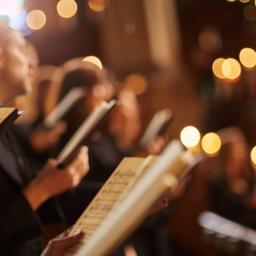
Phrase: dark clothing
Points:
(20, 227)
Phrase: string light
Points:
(247, 57)
(36, 19)
(217, 68)
(67, 8)
(94, 60)
(98, 5)
(231, 68)
(211, 143)
(190, 136)
(253, 155)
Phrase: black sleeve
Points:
(17, 219)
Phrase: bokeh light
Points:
(217, 68)
(231, 68)
(250, 12)
(244, 1)
(190, 136)
(36, 19)
(94, 60)
(247, 57)
(211, 143)
(253, 155)
(209, 39)
(136, 83)
(98, 5)
(67, 8)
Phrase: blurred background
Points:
(196, 57)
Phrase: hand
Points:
(43, 139)
(58, 246)
(53, 181)
(169, 196)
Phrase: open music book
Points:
(7, 116)
(157, 126)
(126, 198)
(85, 129)
(64, 105)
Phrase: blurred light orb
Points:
(94, 60)
(98, 5)
(209, 39)
(231, 0)
(67, 8)
(231, 68)
(136, 83)
(250, 12)
(253, 155)
(190, 136)
(211, 143)
(244, 1)
(217, 68)
(36, 19)
(247, 57)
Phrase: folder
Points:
(86, 128)
(7, 117)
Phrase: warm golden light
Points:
(253, 155)
(190, 136)
(94, 60)
(231, 68)
(217, 68)
(36, 19)
(231, 0)
(211, 143)
(66, 8)
(247, 57)
(98, 5)
(244, 1)
(136, 83)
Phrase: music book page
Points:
(165, 173)
(128, 172)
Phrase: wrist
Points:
(36, 193)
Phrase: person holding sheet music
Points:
(21, 232)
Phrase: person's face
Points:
(14, 70)
(99, 93)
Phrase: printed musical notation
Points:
(116, 187)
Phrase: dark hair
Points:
(79, 77)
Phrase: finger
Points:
(68, 241)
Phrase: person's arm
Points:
(16, 214)
(53, 181)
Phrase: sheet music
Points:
(85, 129)
(6, 112)
(160, 119)
(133, 208)
(64, 105)
(117, 186)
